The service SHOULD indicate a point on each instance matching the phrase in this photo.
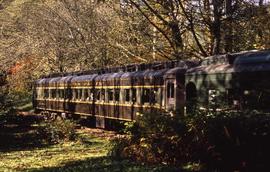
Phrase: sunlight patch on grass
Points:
(53, 156)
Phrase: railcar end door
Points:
(170, 94)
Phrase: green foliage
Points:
(153, 138)
(220, 140)
(234, 140)
(56, 131)
(11, 101)
(117, 145)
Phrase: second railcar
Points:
(235, 81)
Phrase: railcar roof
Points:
(55, 80)
(247, 61)
(146, 74)
(83, 78)
(172, 68)
(108, 76)
(253, 58)
(43, 81)
(65, 79)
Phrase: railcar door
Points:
(170, 94)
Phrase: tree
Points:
(207, 27)
(163, 16)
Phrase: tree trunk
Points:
(216, 25)
(59, 61)
(176, 39)
(228, 27)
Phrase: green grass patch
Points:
(54, 156)
(89, 153)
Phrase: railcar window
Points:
(98, 96)
(117, 94)
(146, 95)
(50, 93)
(68, 94)
(75, 94)
(46, 93)
(71, 94)
(213, 97)
(102, 94)
(86, 94)
(80, 94)
(42, 93)
(39, 93)
(127, 95)
(110, 94)
(217, 99)
(53, 93)
(256, 99)
(58, 93)
(61, 93)
(154, 95)
(160, 96)
(91, 94)
(170, 90)
(134, 95)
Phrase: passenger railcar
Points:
(115, 95)
(234, 81)
(239, 81)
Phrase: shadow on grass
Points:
(19, 133)
(105, 164)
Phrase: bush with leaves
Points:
(235, 140)
(154, 138)
(58, 130)
(220, 140)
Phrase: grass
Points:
(53, 156)
(22, 150)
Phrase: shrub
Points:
(221, 140)
(55, 131)
(153, 138)
(236, 140)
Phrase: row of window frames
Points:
(130, 95)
